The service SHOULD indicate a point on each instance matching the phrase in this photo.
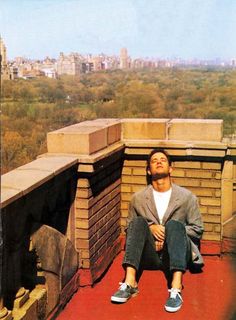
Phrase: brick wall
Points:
(97, 217)
(202, 178)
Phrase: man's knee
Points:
(174, 225)
(138, 222)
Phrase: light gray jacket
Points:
(183, 207)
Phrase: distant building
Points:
(69, 64)
(124, 59)
(5, 72)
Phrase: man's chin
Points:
(159, 176)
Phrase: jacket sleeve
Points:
(194, 224)
(132, 212)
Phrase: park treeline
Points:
(31, 108)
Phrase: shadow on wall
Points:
(34, 229)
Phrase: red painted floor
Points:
(209, 295)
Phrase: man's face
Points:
(159, 167)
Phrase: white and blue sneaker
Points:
(124, 293)
(174, 302)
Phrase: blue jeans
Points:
(140, 251)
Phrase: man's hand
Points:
(158, 232)
(159, 245)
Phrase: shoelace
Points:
(174, 293)
(123, 286)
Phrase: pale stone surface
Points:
(227, 190)
(229, 228)
(19, 302)
(143, 129)
(51, 164)
(23, 181)
(113, 129)
(227, 199)
(77, 139)
(9, 194)
(195, 130)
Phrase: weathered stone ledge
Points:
(26, 178)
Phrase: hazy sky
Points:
(204, 29)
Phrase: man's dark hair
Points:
(159, 151)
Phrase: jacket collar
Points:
(173, 203)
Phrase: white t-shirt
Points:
(161, 201)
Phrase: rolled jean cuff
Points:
(126, 263)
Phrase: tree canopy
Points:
(31, 108)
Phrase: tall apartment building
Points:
(69, 64)
(124, 59)
(5, 72)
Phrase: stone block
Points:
(113, 129)
(6, 314)
(204, 192)
(227, 170)
(187, 164)
(211, 236)
(195, 130)
(205, 153)
(137, 163)
(77, 139)
(21, 300)
(204, 174)
(178, 173)
(186, 182)
(51, 164)
(134, 179)
(210, 184)
(214, 210)
(126, 170)
(144, 129)
(9, 195)
(40, 295)
(139, 171)
(22, 180)
(210, 201)
(208, 227)
(27, 312)
(211, 166)
(227, 199)
(212, 218)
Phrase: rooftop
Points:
(64, 215)
(207, 295)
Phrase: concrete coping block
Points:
(53, 164)
(93, 158)
(144, 129)
(9, 195)
(103, 121)
(195, 130)
(23, 180)
(17, 183)
(80, 138)
(113, 129)
(82, 127)
(28, 177)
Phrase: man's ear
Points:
(170, 170)
(149, 172)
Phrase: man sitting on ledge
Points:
(164, 231)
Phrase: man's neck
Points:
(162, 185)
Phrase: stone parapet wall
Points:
(83, 185)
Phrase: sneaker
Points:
(124, 293)
(174, 302)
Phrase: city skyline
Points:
(161, 29)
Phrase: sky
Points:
(187, 29)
